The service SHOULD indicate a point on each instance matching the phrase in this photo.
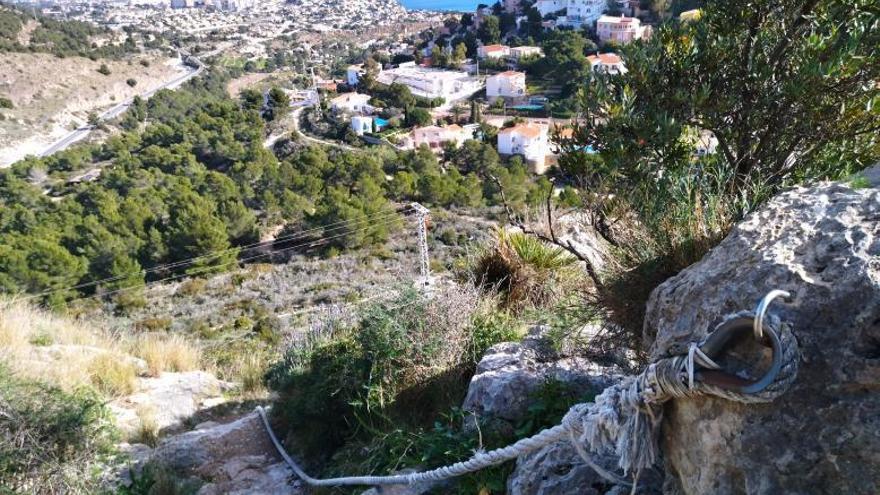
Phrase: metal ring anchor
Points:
(761, 310)
(727, 334)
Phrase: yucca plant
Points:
(525, 271)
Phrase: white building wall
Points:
(550, 6)
(352, 75)
(505, 86)
(534, 149)
(577, 12)
(361, 124)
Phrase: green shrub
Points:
(491, 329)
(243, 323)
(131, 82)
(154, 324)
(6, 103)
(451, 439)
(41, 340)
(268, 329)
(48, 438)
(103, 69)
(406, 360)
(192, 287)
(155, 479)
(859, 182)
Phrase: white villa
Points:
(354, 72)
(519, 52)
(577, 13)
(529, 140)
(607, 62)
(434, 137)
(450, 85)
(493, 51)
(621, 29)
(508, 84)
(351, 103)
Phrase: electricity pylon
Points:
(425, 279)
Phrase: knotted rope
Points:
(623, 421)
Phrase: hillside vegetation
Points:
(654, 204)
(186, 189)
(196, 180)
(56, 377)
(23, 31)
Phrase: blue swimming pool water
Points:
(455, 5)
(527, 107)
(380, 122)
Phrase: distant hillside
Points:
(22, 31)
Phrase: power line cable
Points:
(176, 264)
(318, 242)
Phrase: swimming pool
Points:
(527, 107)
(380, 122)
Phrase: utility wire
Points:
(176, 264)
(314, 243)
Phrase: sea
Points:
(455, 5)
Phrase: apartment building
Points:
(426, 82)
(621, 29)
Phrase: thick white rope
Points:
(623, 421)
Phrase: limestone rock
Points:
(576, 231)
(49, 355)
(506, 378)
(510, 372)
(822, 244)
(558, 470)
(237, 458)
(168, 399)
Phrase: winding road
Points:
(295, 115)
(115, 111)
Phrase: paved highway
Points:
(117, 110)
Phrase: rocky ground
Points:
(821, 244)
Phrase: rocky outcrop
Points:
(51, 354)
(822, 244)
(167, 400)
(503, 388)
(510, 373)
(236, 458)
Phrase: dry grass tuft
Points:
(166, 353)
(251, 370)
(148, 426)
(69, 354)
(55, 350)
(113, 375)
